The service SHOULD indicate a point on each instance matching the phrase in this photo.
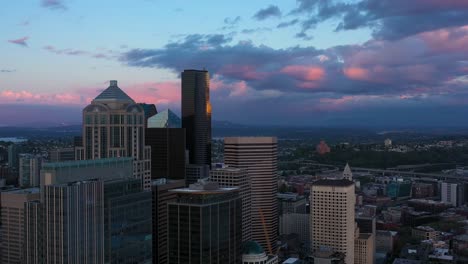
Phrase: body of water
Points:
(13, 139)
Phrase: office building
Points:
(452, 193)
(127, 222)
(167, 141)
(205, 225)
(13, 152)
(347, 173)
(74, 230)
(196, 115)
(291, 203)
(103, 169)
(62, 154)
(258, 155)
(364, 249)
(160, 189)
(235, 177)
(33, 233)
(253, 253)
(149, 110)
(12, 233)
(332, 221)
(114, 126)
(29, 170)
(194, 172)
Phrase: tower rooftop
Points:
(164, 119)
(113, 93)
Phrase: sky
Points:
(387, 63)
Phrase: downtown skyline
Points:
(272, 62)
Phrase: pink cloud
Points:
(238, 88)
(20, 41)
(357, 73)
(245, 72)
(446, 40)
(304, 73)
(154, 92)
(11, 96)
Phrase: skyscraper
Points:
(205, 225)
(114, 126)
(161, 197)
(258, 155)
(196, 115)
(332, 222)
(29, 170)
(62, 154)
(167, 141)
(74, 222)
(235, 177)
(12, 218)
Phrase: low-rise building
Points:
(425, 233)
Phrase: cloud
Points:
(20, 41)
(288, 23)
(388, 19)
(231, 21)
(268, 12)
(53, 4)
(7, 71)
(255, 30)
(104, 54)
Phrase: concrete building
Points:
(29, 170)
(425, 233)
(293, 218)
(259, 156)
(13, 152)
(12, 232)
(384, 241)
(205, 225)
(196, 115)
(253, 253)
(364, 249)
(332, 221)
(167, 141)
(33, 232)
(347, 173)
(451, 193)
(291, 203)
(103, 169)
(114, 126)
(62, 154)
(74, 231)
(161, 197)
(234, 177)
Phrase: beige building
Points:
(12, 219)
(114, 126)
(235, 177)
(364, 249)
(259, 155)
(332, 223)
(425, 233)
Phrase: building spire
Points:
(347, 173)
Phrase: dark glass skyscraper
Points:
(205, 225)
(196, 115)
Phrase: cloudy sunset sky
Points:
(304, 62)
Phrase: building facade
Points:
(29, 170)
(205, 225)
(12, 233)
(196, 115)
(62, 154)
(235, 177)
(332, 221)
(114, 126)
(258, 155)
(167, 141)
(364, 249)
(161, 195)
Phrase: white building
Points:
(448, 193)
(29, 170)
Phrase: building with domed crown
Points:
(253, 253)
(114, 126)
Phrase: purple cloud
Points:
(20, 41)
(54, 4)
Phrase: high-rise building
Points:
(364, 248)
(33, 232)
(114, 126)
(62, 154)
(452, 193)
(167, 141)
(74, 222)
(12, 233)
(194, 172)
(253, 253)
(127, 222)
(149, 110)
(29, 170)
(347, 173)
(235, 177)
(293, 218)
(161, 197)
(332, 222)
(196, 115)
(205, 225)
(258, 155)
(13, 152)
